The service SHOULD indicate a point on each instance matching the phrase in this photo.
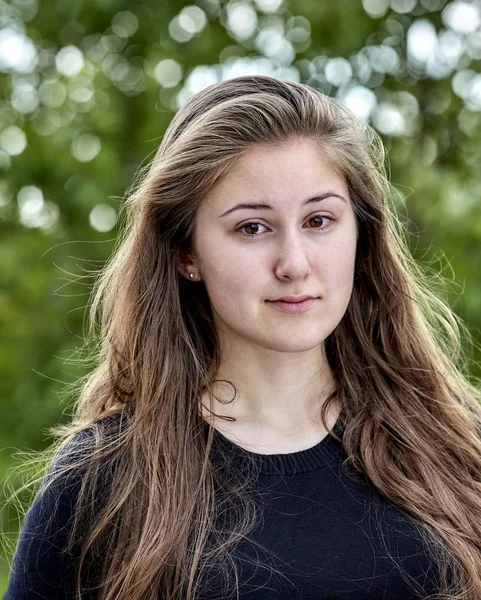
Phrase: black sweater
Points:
(326, 529)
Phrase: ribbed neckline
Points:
(293, 463)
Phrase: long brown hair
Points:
(412, 418)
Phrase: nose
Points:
(292, 259)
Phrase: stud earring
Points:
(191, 275)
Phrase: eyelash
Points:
(251, 235)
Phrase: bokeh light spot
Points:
(338, 71)
(192, 19)
(422, 40)
(241, 20)
(13, 140)
(463, 17)
(272, 43)
(33, 210)
(52, 93)
(375, 8)
(388, 119)
(168, 72)
(268, 6)
(69, 61)
(403, 6)
(17, 51)
(85, 147)
(125, 24)
(360, 100)
(24, 97)
(102, 217)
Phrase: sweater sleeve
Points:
(41, 567)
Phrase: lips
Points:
(294, 307)
(292, 298)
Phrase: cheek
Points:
(337, 269)
(340, 251)
(229, 280)
(228, 268)
(339, 277)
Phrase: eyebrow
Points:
(243, 206)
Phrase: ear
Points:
(184, 262)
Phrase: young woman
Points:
(279, 409)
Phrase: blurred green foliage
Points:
(88, 88)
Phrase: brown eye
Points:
(317, 218)
(247, 231)
(320, 220)
(248, 228)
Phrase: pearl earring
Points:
(191, 275)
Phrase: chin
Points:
(293, 345)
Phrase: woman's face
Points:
(282, 245)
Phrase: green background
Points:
(88, 88)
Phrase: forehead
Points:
(281, 173)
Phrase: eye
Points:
(313, 218)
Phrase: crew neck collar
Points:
(292, 463)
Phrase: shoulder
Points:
(45, 558)
(41, 566)
(55, 500)
(90, 442)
